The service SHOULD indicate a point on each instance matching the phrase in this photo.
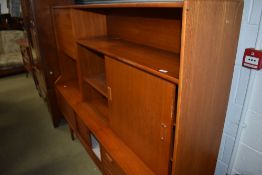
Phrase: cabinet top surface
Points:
(128, 4)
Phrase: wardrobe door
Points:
(141, 112)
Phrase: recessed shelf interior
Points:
(68, 83)
(93, 69)
(95, 100)
(148, 38)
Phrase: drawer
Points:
(67, 111)
(110, 165)
(83, 131)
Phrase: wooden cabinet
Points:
(148, 83)
(45, 69)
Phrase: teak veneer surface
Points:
(146, 58)
(209, 45)
(142, 112)
(130, 163)
(99, 83)
(70, 92)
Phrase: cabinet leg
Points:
(72, 133)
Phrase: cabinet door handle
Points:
(109, 93)
(163, 131)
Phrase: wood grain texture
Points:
(92, 66)
(125, 158)
(110, 166)
(209, 42)
(64, 32)
(146, 58)
(96, 100)
(98, 82)
(159, 28)
(92, 24)
(141, 113)
(68, 68)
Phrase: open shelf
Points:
(162, 63)
(96, 100)
(98, 82)
(93, 69)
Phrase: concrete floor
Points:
(29, 145)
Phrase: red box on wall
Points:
(252, 59)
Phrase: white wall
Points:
(241, 146)
(4, 8)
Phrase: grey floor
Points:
(29, 145)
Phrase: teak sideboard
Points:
(145, 86)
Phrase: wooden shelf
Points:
(118, 150)
(99, 83)
(143, 57)
(70, 92)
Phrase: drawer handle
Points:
(163, 131)
(109, 93)
(108, 158)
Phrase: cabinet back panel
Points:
(160, 28)
(88, 24)
(67, 67)
(64, 32)
(92, 63)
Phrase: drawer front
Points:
(67, 111)
(83, 131)
(110, 166)
(64, 32)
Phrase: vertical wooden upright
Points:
(210, 31)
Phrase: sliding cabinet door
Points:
(141, 112)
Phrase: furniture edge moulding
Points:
(177, 4)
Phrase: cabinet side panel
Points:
(209, 43)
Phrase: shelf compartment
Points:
(96, 100)
(162, 63)
(98, 82)
(93, 69)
